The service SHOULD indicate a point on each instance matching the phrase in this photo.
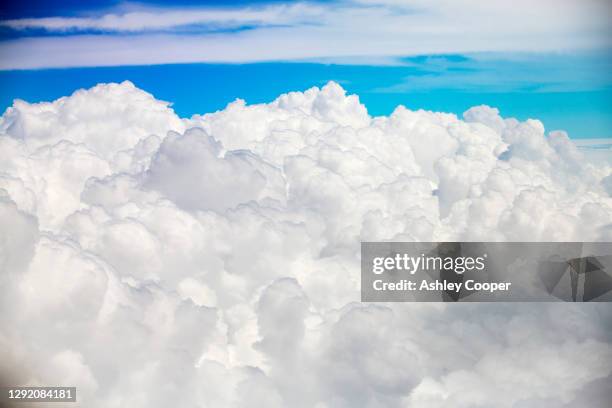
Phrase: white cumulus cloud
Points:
(152, 260)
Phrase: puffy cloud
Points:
(499, 374)
(214, 261)
(18, 234)
(106, 119)
(189, 170)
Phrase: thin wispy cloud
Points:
(365, 29)
(154, 19)
(506, 73)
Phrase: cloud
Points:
(153, 260)
(152, 19)
(497, 376)
(364, 31)
(219, 183)
(491, 73)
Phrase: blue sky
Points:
(552, 63)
